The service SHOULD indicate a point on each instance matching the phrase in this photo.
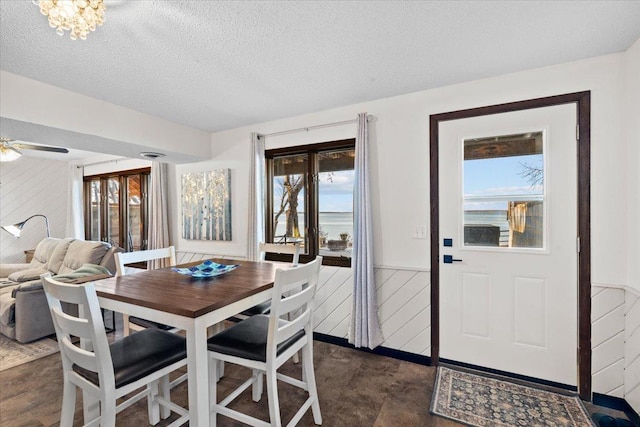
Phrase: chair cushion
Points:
(140, 354)
(149, 323)
(262, 308)
(248, 339)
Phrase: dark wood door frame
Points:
(583, 107)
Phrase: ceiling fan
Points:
(9, 149)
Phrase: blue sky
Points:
(499, 176)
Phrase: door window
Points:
(504, 191)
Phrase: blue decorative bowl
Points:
(206, 269)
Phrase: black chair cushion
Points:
(141, 354)
(248, 339)
(262, 308)
(149, 323)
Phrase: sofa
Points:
(24, 312)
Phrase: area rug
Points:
(12, 353)
(477, 400)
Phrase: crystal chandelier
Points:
(77, 16)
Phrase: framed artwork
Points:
(206, 205)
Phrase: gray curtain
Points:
(75, 216)
(158, 211)
(365, 327)
(255, 230)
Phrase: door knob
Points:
(449, 259)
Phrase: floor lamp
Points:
(16, 229)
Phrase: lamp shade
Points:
(16, 229)
(8, 153)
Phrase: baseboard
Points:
(382, 351)
(617, 403)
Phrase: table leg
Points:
(198, 375)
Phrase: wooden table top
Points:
(177, 293)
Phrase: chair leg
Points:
(153, 406)
(213, 386)
(108, 411)
(257, 386)
(310, 378)
(165, 392)
(68, 404)
(274, 404)
(91, 406)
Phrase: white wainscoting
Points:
(404, 303)
(405, 318)
(615, 341)
(632, 349)
(607, 340)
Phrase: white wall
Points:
(400, 158)
(399, 139)
(632, 115)
(31, 186)
(35, 102)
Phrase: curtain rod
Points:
(308, 128)
(102, 162)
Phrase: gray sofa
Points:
(24, 313)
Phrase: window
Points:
(310, 199)
(504, 191)
(116, 208)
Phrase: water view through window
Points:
(504, 191)
(312, 200)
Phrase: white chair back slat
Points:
(98, 360)
(290, 328)
(83, 358)
(275, 248)
(72, 325)
(124, 258)
(296, 301)
(300, 282)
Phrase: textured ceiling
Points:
(220, 65)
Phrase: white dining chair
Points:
(264, 343)
(106, 371)
(122, 259)
(275, 248)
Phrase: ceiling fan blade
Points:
(39, 147)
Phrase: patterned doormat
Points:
(13, 353)
(481, 401)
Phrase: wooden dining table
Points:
(193, 305)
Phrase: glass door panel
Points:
(289, 200)
(134, 213)
(335, 202)
(113, 211)
(94, 211)
(504, 191)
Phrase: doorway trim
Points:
(583, 143)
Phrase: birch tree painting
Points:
(206, 205)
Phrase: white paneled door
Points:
(508, 242)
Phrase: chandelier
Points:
(77, 16)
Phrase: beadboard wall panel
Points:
(404, 303)
(607, 340)
(405, 319)
(31, 186)
(632, 350)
